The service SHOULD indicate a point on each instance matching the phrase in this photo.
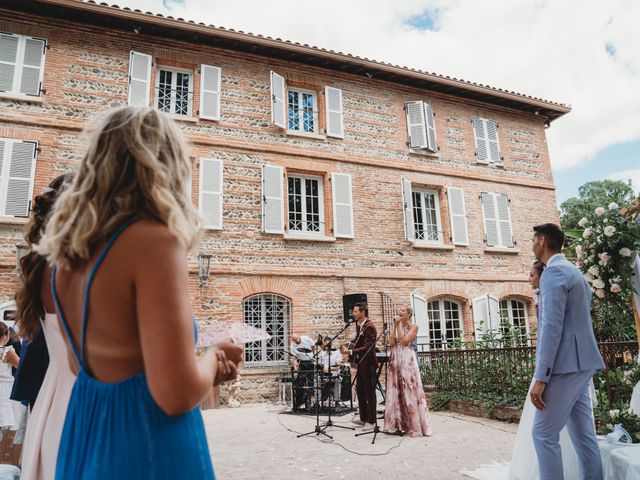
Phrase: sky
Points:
(578, 52)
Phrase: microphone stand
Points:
(329, 422)
(318, 430)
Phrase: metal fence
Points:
(508, 371)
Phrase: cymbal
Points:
(304, 350)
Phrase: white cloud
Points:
(625, 175)
(551, 49)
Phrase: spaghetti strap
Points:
(62, 318)
(94, 270)
(80, 356)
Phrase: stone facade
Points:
(86, 71)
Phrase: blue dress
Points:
(116, 430)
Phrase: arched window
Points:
(513, 316)
(269, 312)
(445, 323)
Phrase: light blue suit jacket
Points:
(566, 342)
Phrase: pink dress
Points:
(405, 402)
(44, 427)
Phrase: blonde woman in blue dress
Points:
(118, 240)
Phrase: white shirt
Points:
(305, 342)
(336, 357)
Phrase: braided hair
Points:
(29, 306)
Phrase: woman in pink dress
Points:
(35, 309)
(405, 403)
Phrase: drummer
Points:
(302, 348)
(332, 358)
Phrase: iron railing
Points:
(508, 371)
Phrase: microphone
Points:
(350, 320)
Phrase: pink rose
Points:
(604, 256)
(615, 288)
(600, 293)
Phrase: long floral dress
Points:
(405, 403)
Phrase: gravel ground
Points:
(259, 442)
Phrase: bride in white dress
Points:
(524, 461)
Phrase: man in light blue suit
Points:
(567, 356)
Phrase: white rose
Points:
(579, 249)
(595, 271)
(609, 230)
(588, 277)
(613, 206)
(600, 211)
(625, 252)
(586, 233)
(598, 283)
(583, 222)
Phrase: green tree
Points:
(592, 195)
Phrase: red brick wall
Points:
(86, 71)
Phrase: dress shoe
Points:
(357, 421)
(368, 427)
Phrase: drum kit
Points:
(328, 390)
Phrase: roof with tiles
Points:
(264, 45)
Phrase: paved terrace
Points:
(259, 442)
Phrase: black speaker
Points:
(350, 301)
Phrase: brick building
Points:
(319, 174)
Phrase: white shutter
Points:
(458, 215)
(407, 203)
(139, 78)
(18, 170)
(486, 314)
(211, 192)
(481, 141)
(8, 60)
(278, 105)
(429, 116)
(32, 66)
(504, 221)
(480, 308)
(490, 219)
(210, 86)
(342, 205)
(492, 141)
(416, 125)
(335, 117)
(272, 201)
(420, 318)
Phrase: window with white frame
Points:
(17, 170)
(302, 110)
(445, 323)
(174, 88)
(271, 313)
(426, 216)
(513, 313)
(21, 64)
(306, 204)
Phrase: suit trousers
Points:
(366, 391)
(568, 403)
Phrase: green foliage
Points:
(592, 195)
(605, 255)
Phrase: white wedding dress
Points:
(524, 461)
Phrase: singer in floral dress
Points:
(405, 403)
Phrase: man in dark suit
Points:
(364, 353)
